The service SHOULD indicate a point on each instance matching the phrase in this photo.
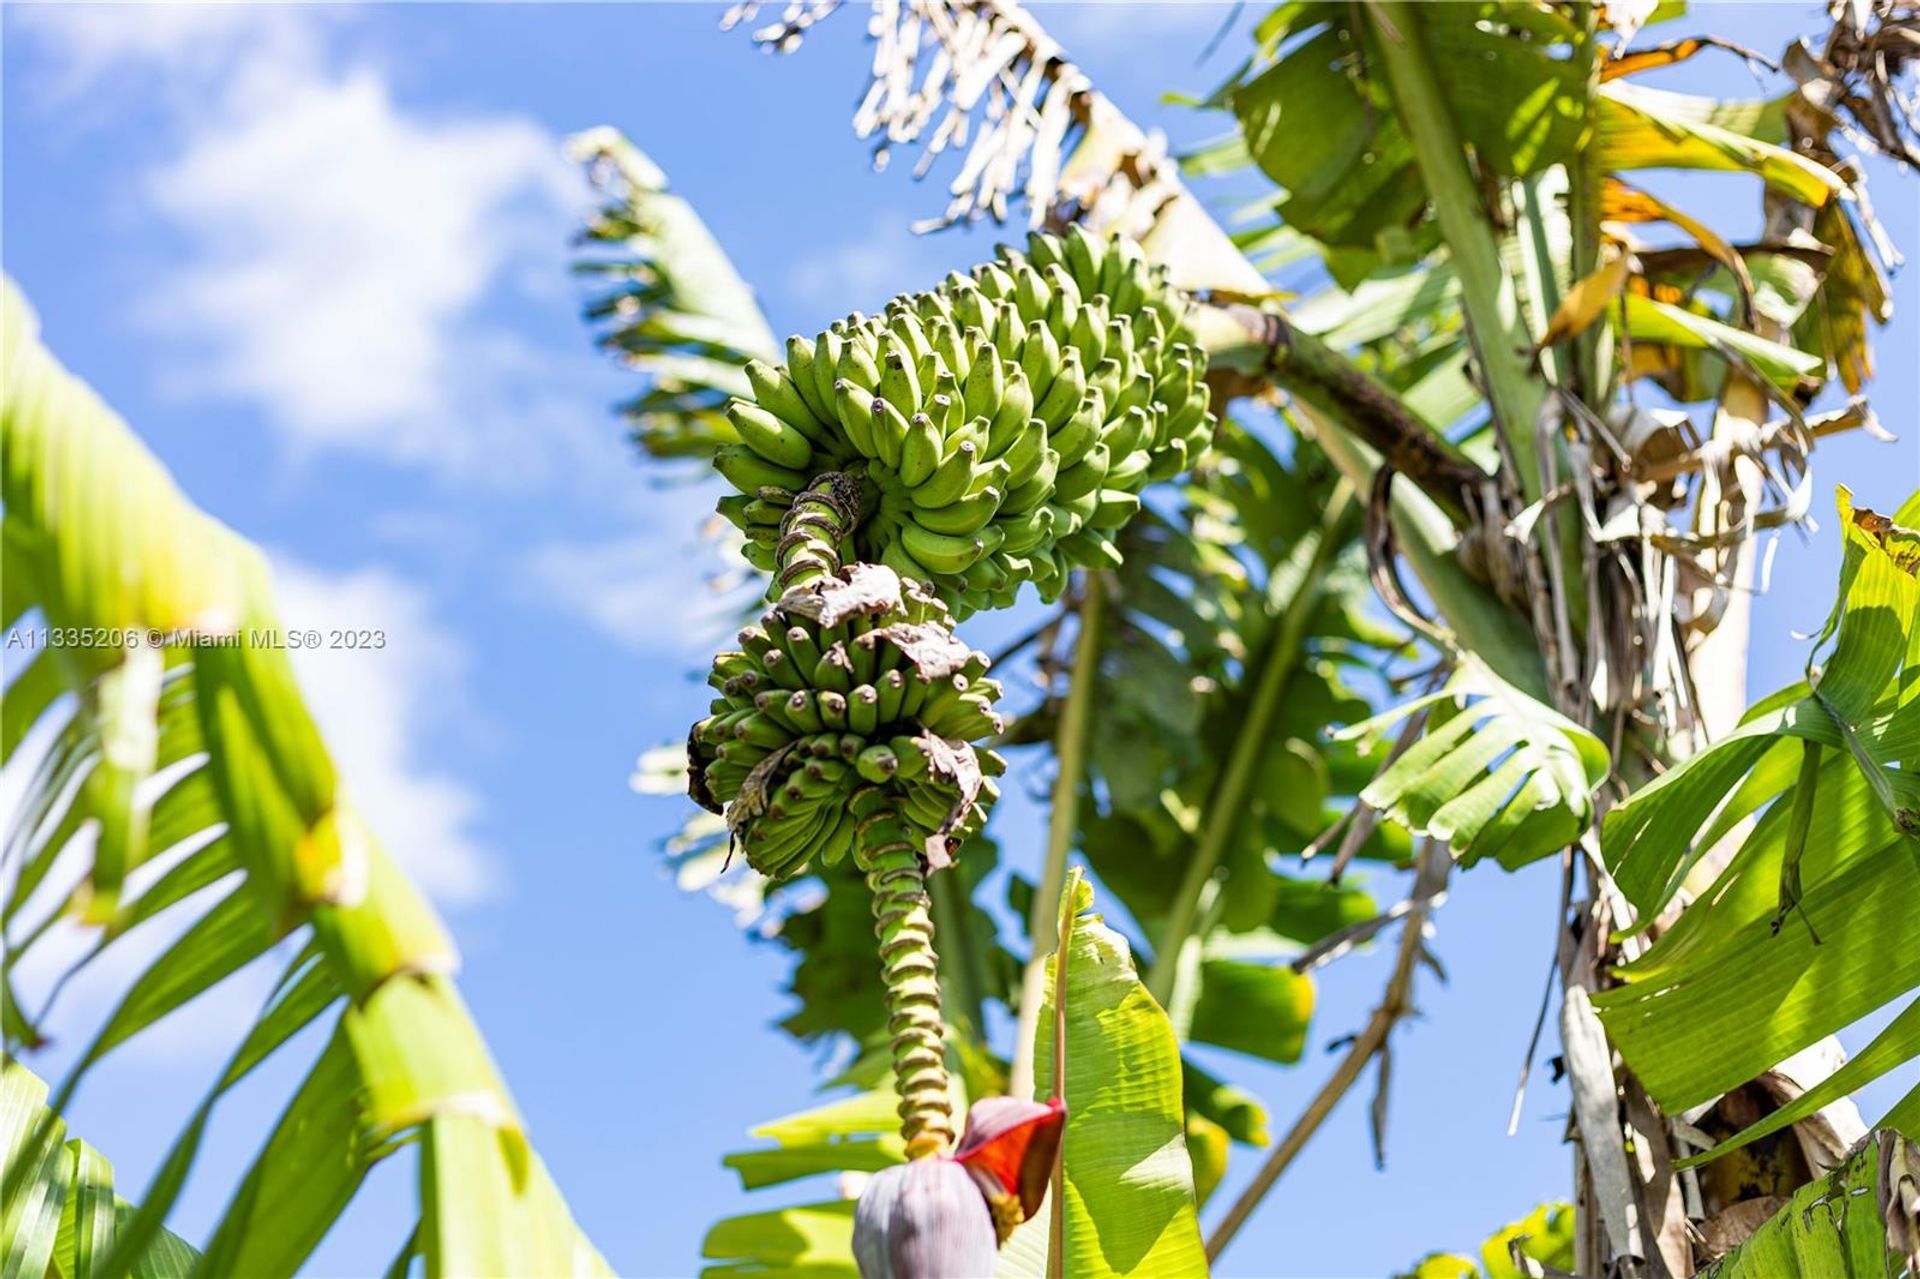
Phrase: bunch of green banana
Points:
(1004, 423)
(807, 712)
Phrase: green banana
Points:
(806, 379)
(941, 552)
(877, 764)
(834, 670)
(745, 469)
(899, 383)
(1083, 477)
(778, 392)
(969, 515)
(950, 480)
(1040, 358)
(920, 453)
(863, 710)
(1115, 508)
(782, 670)
(889, 430)
(892, 689)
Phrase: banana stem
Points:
(909, 970)
(1070, 748)
(1495, 325)
(815, 536)
(815, 541)
(1250, 744)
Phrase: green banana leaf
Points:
(1647, 320)
(1128, 1199)
(1323, 128)
(1495, 773)
(854, 1134)
(672, 307)
(97, 537)
(64, 1222)
(811, 1241)
(1810, 925)
(1863, 1218)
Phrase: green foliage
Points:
(1494, 772)
(1129, 1203)
(1544, 1235)
(671, 305)
(1317, 116)
(98, 537)
(1863, 1218)
(1319, 120)
(64, 1220)
(1809, 926)
(1130, 1199)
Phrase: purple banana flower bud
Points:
(943, 1216)
(925, 1219)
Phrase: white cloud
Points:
(345, 253)
(635, 590)
(89, 46)
(379, 710)
(855, 272)
(339, 246)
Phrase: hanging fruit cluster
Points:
(852, 679)
(899, 471)
(1006, 422)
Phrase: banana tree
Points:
(1476, 373)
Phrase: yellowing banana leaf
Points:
(1641, 128)
(1852, 293)
(63, 1222)
(1651, 321)
(1586, 301)
(1623, 203)
(1128, 1199)
(1494, 773)
(1863, 1218)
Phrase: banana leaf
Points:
(1128, 1202)
(1809, 926)
(191, 741)
(64, 1222)
(671, 306)
(1863, 1218)
(1494, 772)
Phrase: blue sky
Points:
(317, 257)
